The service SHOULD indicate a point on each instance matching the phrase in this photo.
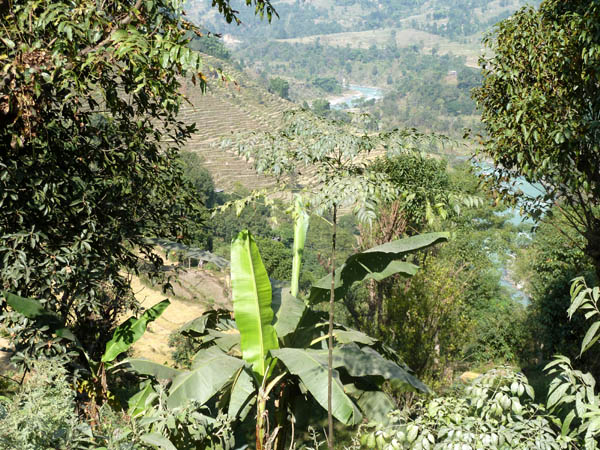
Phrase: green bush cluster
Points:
(496, 411)
(42, 414)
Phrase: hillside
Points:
(458, 20)
(240, 105)
(422, 55)
(194, 292)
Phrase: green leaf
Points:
(34, 309)
(251, 292)
(590, 337)
(147, 367)
(196, 326)
(131, 330)
(288, 311)
(211, 370)
(374, 404)
(243, 391)
(225, 340)
(312, 370)
(141, 401)
(10, 44)
(301, 221)
(31, 308)
(158, 441)
(557, 394)
(119, 35)
(376, 263)
(566, 425)
(361, 362)
(350, 336)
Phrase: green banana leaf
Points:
(131, 330)
(363, 362)
(312, 370)
(375, 405)
(139, 403)
(349, 335)
(301, 221)
(147, 367)
(376, 263)
(288, 311)
(211, 370)
(34, 309)
(226, 341)
(214, 318)
(243, 394)
(251, 292)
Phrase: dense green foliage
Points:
(553, 258)
(94, 187)
(42, 414)
(280, 87)
(84, 176)
(540, 105)
(88, 98)
(496, 411)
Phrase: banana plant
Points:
(272, 356)
(124, 336)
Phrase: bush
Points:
(42, 413)
(496, 411)
(280, 87)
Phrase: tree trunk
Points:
(330, 340)
(592, 248)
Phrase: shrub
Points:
(496, 411)
(42, 413)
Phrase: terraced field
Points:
(224, 109)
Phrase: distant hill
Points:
(453, 19)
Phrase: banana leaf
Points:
(34, 309)
(131, 331)
(147, 367)
(288, 311)
(251, 292)
(375, 405)
(211, 370)
(310, 367)
(376, 263)
(243, 394)
(139, 403)
(301, 221)
(366, 362)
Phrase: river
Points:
(355, 92)
(532, 191)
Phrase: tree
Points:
(321, 107)
(540, 104)
(280, 87)
(554, 257)
(200, 178)
(89, 163)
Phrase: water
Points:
(532, 191)
(357, 92)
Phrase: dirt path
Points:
(203, 290)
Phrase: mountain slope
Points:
(225, 108)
